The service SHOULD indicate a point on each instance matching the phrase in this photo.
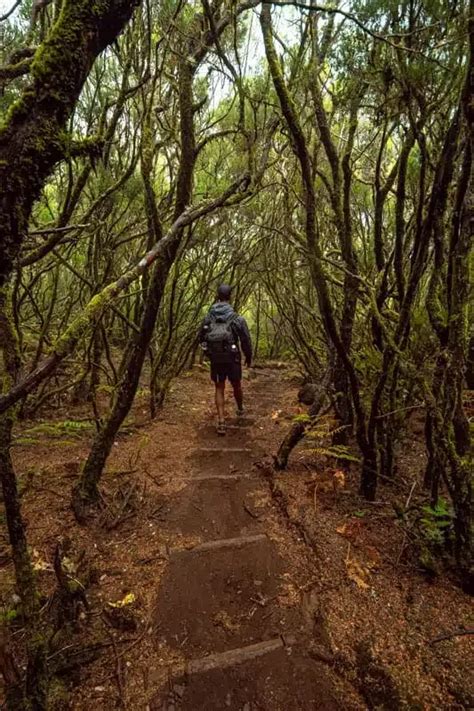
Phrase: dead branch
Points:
(450, 635)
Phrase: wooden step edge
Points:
(239, 542)
(223, 660)
(223, 450)
(236, 428)
(220, 477)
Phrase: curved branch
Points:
(10, 11)
(12, 71)
(102, 301)
(352, 18)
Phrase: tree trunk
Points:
(314, 251)
(34, 137)
(37, 673)
(299, 429)
(450, 437)
(86, 491)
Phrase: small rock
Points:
(179, 690)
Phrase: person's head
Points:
(224, 292)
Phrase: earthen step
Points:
(214, 507)
(261, 677)
(240, 434)
(223, 460)
(240, 422)
(221, 595)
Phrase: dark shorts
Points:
(222, 371)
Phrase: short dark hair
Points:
(223, 292)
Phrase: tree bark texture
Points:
(34, 137)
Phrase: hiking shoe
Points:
(240, 413)
(220, 429)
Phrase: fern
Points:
(436, 522)
(303, 418)
(325, 432)
(53, 430)
(323, 428)
(336, 451)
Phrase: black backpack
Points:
(220, 339)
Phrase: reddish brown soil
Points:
(280, 678)
(324, 580)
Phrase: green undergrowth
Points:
(65, 432)
(430, 529)
(320, 431)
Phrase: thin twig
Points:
(10, 11)
(51, 230)
(356, 21)
(450, 635)
(250, 512)
(405, 535)
(401, 409)
(119, 676)
(119, 518)
(407, 503)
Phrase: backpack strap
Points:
(221, 319)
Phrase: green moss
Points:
(74, 586)
(9, 615)
(10, 353)
(17, 110)
(80, 325)
(59, 429)
(58, 696)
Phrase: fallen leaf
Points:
(356, 573)
(339, 479)
(38, 562)
(224, 620)
(351, 529)
(374, 558)
(127, 600)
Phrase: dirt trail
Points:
(221, 604)
(252, 590)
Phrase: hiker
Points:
(221, 333)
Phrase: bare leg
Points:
(220, 400)
(238, 394)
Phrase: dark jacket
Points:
(239, 327)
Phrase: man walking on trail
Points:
(221, 333)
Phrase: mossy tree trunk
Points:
(192, 54)
(448, 436)
(86, 491)
(340, 196)
(334, 337)
(34, 137)
(299, 429)
(36, 673)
